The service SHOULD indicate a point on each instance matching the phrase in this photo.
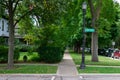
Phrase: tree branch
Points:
(22, 17)
(4, 4)
(98, 9)
(16, 6)
(92, 8)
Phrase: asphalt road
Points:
(56, 77)
(100, 77)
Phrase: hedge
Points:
(50, 54)
(26, 48)
(4, 54)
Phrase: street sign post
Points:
(89, 30)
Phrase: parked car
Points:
(116, 54)
(109, 52)
(101, 52)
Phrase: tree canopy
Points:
(59, 23)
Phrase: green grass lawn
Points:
(103, 61)
(29, 55)
(29, 68)
(99, 70)
(35, 69)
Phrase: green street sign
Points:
(89, 30)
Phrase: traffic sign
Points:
(89, 30)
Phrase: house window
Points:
(2, 25)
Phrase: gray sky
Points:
(118, 1)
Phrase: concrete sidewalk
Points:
(67, 67)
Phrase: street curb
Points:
(28, 75)
(100, 74)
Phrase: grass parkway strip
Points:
(105, 64)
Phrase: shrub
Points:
(35, 59)
(27, 48)
(50, 54)
(25, 58)
(16, 54)
(4, 54)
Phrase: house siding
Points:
(4, 27)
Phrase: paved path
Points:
(67, 66)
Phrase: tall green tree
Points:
(11, 6)
(46, 16)
(72, 21)
(115, 28)
(99, 11)
(95, 13)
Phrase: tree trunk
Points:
(94, 47)
(95, 13)
(94, 42)
(11, 48)
(11, 38)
